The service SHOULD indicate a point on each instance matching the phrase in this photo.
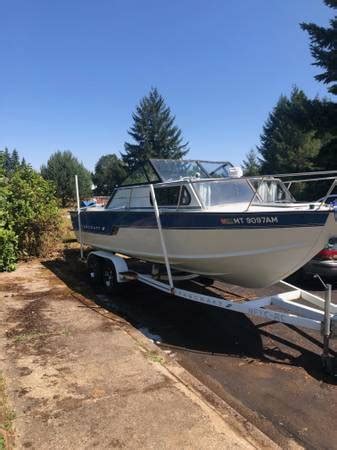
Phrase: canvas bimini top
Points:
(163, 170)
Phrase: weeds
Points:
(7, 416)
(153, 356)
(66, 332)
(24, 337)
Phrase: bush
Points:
(8, 250)
(34, 212)
(30, 223)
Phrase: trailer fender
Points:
(118, 262)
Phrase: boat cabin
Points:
(193, 184)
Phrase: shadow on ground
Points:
(310, 283)
(191, 327)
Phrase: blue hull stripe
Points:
(108, 222)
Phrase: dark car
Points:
(324, 263)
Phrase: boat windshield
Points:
(142, 175)
(175, 169)
(216, 169)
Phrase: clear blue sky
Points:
(72, 71)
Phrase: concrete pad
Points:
(78, 379)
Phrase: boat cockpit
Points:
(197, 185)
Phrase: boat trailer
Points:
(290, 307)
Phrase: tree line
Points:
(300, 133)
(30, 218)
(154, 135)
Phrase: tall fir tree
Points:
(10, 160)
(289, 142)
(154, 133)
(323, 46)
(15, 160)
(7, 160)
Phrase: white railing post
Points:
(79, 215)
(162, 240)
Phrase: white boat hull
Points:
(252, 257)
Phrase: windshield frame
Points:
(200, 164)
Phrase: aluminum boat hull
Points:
(249, 249)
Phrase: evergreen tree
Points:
(154, 132)
(15, 160)
(10, 160)
(109, 172)
(7, 164)
(323, 46)
(61, 168)
(323, 115)
(251, 165)
(289, 142)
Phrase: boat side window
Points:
(140, 197)
(120, 200)
(217, 193)
(271, 191)
(169, 196)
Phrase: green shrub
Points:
(8, 250)
(30, 223)
(34, 212)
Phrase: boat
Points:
(216, 223)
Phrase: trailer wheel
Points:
(109, 277)
(94, 265)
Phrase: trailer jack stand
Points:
(329, 362)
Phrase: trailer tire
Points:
(94, 266)
(109, 277)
